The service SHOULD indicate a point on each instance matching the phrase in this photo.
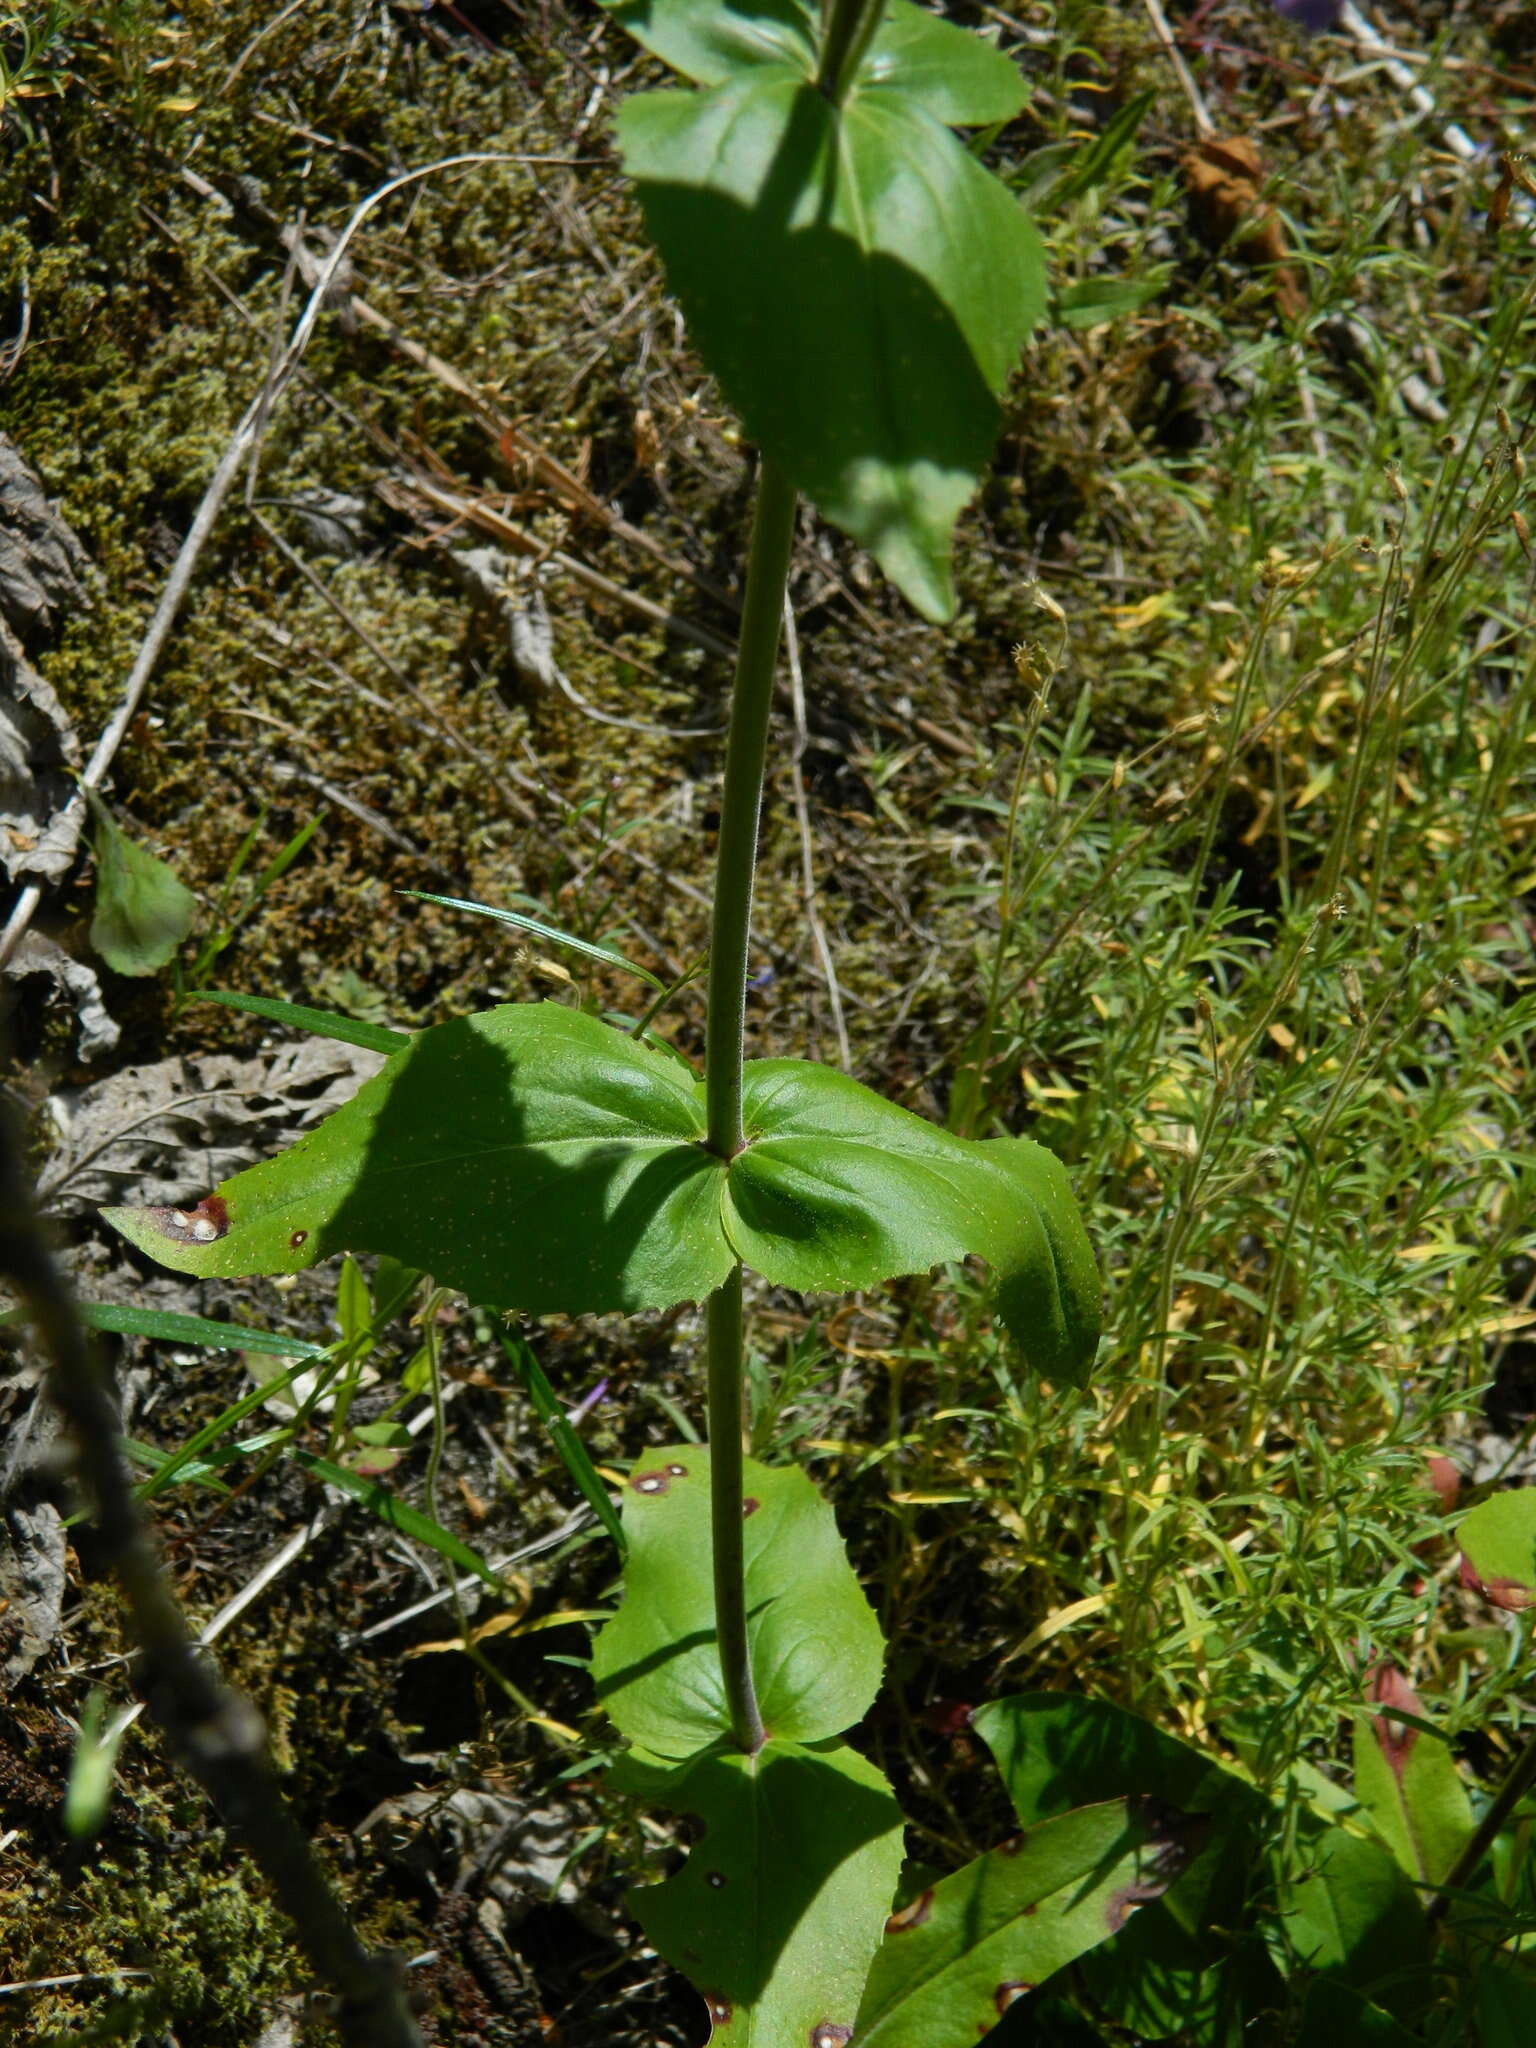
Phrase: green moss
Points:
(175, 1905)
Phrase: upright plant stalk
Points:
(746, 754)
(847, 30)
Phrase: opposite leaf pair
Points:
(538, 1159)
(782, 1914)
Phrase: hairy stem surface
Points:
(773, 531)
(726, 1518)
(741, 801)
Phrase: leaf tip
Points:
(158, 1224)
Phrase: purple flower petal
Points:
(587, 1403)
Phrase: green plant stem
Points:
(848, 28)
(1521, 1777)
(726, 1519)
(773, 532)
(746, 755)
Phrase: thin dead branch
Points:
(217, 1734)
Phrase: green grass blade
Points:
(395, 1514)
(551, 934)
(319, 1023)
(212, 1431)
(204, 1471)
(280, 862)
(203, 1331)
(150, 1458)
(573, 1452)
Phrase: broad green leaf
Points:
(380, 1502)
(142, 911)
(860, 286)
(530, 1155)
(1059, 1750)
(950, 73)
(962, 1952)
(610, 956)
(1160, 1982)
(538, 1159)
(779, 1909)
(1409, 1785)
(710, 43)
(947, 71)
(1347, 1910)
(815, 1643)
(1498, 1541)
(839, 1188)
(1167, 1972)
(318, 1023)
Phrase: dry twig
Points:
(217, 1734)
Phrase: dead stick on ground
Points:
(217, 1734)
(245, 436)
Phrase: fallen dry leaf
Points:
(1226, 207)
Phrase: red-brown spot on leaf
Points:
(651, 1482)
(1445, 1480)
(829, 2034)
(1009, 1993)
(1128, 1900)
(750, 1505)
(299, 1237)
(204, 1224)
(1011, 1847)
(911, 1915)
(1387, 1687)
(1509, 1594)
(721, 2011)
